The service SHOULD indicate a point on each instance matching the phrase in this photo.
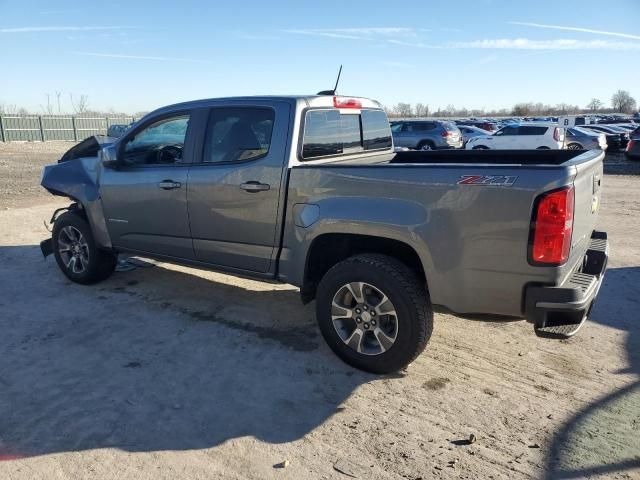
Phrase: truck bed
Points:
(469, 214)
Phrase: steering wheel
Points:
(169, 154)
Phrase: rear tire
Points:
(385, 285)
(543, 148)
(574, 146)
(480, 147)
(426, 145)
(76, 252)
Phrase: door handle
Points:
(169, 184)
(255, 187)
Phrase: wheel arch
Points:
(426, 141)
(328, 249)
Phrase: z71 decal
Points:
(496, 180)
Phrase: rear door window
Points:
(329, 133)
(238, 134)
(422, 126)
(528, 130)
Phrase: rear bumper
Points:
(560, 311)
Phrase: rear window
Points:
(328, 132)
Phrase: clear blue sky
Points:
(139, 55)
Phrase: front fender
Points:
(78, 180)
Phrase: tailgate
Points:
(588, 188)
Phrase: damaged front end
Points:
(76, 176)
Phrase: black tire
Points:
(99, 264)
(574, 146)
(406, 292)
(480, 147)
(426, 145)
(543, 148)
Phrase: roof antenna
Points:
(335, 89)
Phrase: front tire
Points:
(480, 147)
(374, 313)
(76, 252)
(574, 146)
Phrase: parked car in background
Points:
(629, 127)
(577, 138)
(117, 130)
(616, 137)
(526, 136)
(633, 147)
(426, 134)
(485, 125)
(469, 131)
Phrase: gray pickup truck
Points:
(308, 191)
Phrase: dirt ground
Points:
(167, 372)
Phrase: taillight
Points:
(630, 145)
(346, 102)
(556, 134)
(551, 228)
(447, 133)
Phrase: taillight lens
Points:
(630, 145)
(446, 133)
(552, 227)
(556, 134)
(346, 102)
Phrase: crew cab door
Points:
(234, 187)
(144, 198)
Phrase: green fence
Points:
(43, 128)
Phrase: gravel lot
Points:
(172, 372)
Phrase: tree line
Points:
(57, 103)
(621, 102)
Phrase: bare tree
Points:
(404, 110)
(81, 106)
(58, 94)
(8, 109)
(48, 108)
(623, 102)
(422, 110)
(522, 109)
(595, 104)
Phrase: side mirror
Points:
(109, 157)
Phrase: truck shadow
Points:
(602, 438)
(156, 359)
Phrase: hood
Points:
(89, 147)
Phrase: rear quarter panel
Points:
(472, 239)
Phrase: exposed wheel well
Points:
(75, 208)
(329, 249)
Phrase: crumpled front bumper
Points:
(560, 311)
